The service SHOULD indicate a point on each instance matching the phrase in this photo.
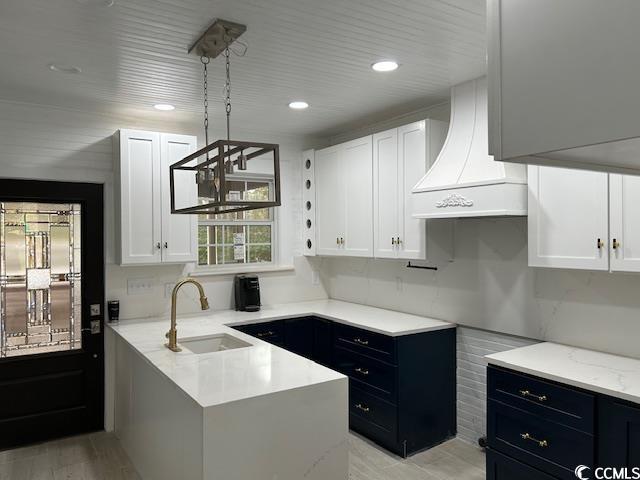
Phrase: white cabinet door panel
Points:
(357, 165)
(179, 231)
(568, 213)
(412, 167)
(140, 197)
(385, 194)
(625, 223)
(330, 200)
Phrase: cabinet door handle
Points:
(527, 393)
(166, 245)
(362, 407)
(541, 443)
(341, 241)
(158, 246)
(337, 240)
(362, 371)
(393, 241)
(398, 241)
(360, 341)
(600, 244)
(615, 244)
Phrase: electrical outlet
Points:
(168, 289)
(399, 284)
(139, 286)
(315, 277)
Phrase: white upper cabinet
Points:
(344, 211)
(624, 223)
(357, 173)
(179, 231)
(363, 194)
(401, 157)
(329, 200)
(412, 165)
(386, 204)
(563, 82)
(568, 218)
(148, 232)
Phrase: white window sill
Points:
(210, 272)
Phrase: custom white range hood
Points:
(465, 181)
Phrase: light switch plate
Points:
(139, 286)
(94, 310)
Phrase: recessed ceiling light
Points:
(165, 107)
(385, 66)
(56, 67)
(298, 105)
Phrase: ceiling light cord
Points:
(227, 104)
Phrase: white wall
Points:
(490, 286)
(39, 142)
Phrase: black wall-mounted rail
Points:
(421, 267)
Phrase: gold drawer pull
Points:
(364, 408)
(541, 443)
(265, 334)
(360, 341)
(363, 371)
(527, 393)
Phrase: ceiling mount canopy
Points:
(230, 175)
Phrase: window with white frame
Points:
(246, 237)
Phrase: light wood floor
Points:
(99, 456)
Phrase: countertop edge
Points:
(565, 380)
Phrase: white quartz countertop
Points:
(261, 369)
(387, 322)
(596, 371)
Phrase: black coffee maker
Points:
(247, 291)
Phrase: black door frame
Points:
(91, 198)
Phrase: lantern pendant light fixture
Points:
(231, 175)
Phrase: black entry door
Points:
(51, 310)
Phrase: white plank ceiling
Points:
(133, 55)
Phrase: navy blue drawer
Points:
(374, 376)
(548, 446)
(272, 332)
(373, 417)
(501, 467)
(552, 401)
(368, 343)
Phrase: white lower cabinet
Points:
(584, 220)
(147, 232)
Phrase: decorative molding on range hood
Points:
(465, 181)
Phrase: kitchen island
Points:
(260, 411)
(256, 412)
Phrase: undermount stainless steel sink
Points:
(212, 343)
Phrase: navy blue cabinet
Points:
(402, 390)
(538, 429)
(619, 433)
(272, 332)
(299, 336)
(501, 467)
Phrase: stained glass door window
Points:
(40, 280)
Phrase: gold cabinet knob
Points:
(600, 244)
(615, 244)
